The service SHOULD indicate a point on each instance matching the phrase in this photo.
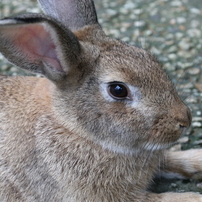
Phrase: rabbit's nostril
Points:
(182, 127)
(183, 123)
(182, 116)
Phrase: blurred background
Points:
(172, 31)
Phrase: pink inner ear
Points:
(36, 44)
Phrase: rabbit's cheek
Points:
(165, 131)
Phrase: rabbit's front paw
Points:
(178, 197)
(185, 163)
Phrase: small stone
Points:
(182, 27)
(111, 12)
(140, 23)
(198, 113)
(163, 19)
(169, 40)
(169, 67)
(184, 45)
(199, 185)
(4, 67)
(14, 74)
(155, 51)
(163, 59)
(194, 32)
(176, 3)
(114, 32)
(198, 47)
(130, 5)
(181, 20)
(198, 86)
(1, 56)
(124, 11)
(196, 124)
(173, 21)
(148, 32)
(123, 29)
(183, 140)
(172, 49)
(13, 69)
(179, 35)
(172, 56)
(173, 185)
(194, 71)
(195, 11)
(193, 52)
(137, 11)
(195, 23)
(191, 100)
(126, 39)
(33, 10)
(199, 142)
(112, 4)
(188, 131)
(186, 86)
(136, 34)
(197, 119)
(185, 54)
(187, 65)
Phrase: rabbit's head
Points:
(109, 92)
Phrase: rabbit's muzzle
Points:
(183, 117)
(168, 127)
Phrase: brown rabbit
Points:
(97, 127)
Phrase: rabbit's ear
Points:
(40, 45)
(74, 14)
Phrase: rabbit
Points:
(97, 125)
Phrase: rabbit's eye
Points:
(118, 91)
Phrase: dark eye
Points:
(118, 91)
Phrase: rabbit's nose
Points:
(183, 116)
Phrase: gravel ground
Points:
(172, 31)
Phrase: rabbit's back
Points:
(22, 100)
(25, 117)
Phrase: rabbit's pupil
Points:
(118, 91)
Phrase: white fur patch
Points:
(8, 22)
(131, 151)
(118, 149)
(152, 147)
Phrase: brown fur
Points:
(63, 138)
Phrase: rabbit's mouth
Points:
(162, 138)
(159, 144)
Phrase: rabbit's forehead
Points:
(132, 65)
